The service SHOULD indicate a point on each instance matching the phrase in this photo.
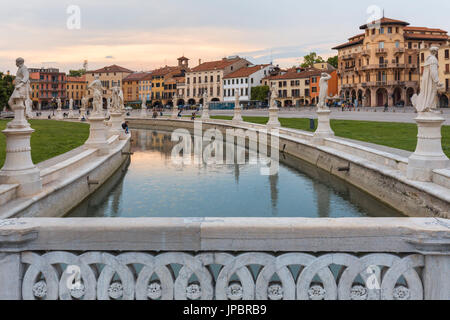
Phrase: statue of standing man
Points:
(97, 89)
(426, 101)
(323, 91)
(22, 85)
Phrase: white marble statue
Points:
(71, 104)
(236, 96)
(121, 101)
(29, 107)
(426, 101)
(205, 99)
(273, 96)
(96, 87)
(84, 102)
(22, 85)
(116, 100)
(323, 91)
(58, 103)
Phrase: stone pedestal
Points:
(82, 113)
(205, 112)
(59, 114)
(71, 114)
(428, 155)
(237, 117)
(18, 167)
(323, 128)
(273, 117)
(116, 125)
(97, 134)
(174, 112)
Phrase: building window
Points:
(447, 54)
(390, 30)
(397, 44)
(381, 45)
(382, 30)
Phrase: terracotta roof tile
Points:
(76, 79)
(137, 76)
(419, 36)
(348, 44)
(386, 21)
(113, 68)
(421, 29)
(245, 71)
(215, 65)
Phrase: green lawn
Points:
(51, 138)
(396, 135)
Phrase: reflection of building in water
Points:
(236, 172)
(273, 180)
(322, 195)
(152, 140)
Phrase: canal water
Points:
(151, 185)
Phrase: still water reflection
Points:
(150, 185)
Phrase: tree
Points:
(6, 89)
(310, 59)
(260, 93)
(77, 73)
(333, 61)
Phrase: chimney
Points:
(199, 61)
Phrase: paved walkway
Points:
(402, 115)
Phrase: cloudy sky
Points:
(146, 34)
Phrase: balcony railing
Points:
(381, 51)
(119, 259)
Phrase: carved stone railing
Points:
(225, 259)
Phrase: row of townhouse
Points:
(300, 86)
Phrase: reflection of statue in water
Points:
(97, 88)
(323, 94)
(426, 101)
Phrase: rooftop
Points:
(113, 68)
(137, 76)
(216, 65)
(76, 79)
(385, 21)
(245, 71)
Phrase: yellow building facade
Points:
(382, 66)
(76, 89)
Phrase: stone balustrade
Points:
(225, 259)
